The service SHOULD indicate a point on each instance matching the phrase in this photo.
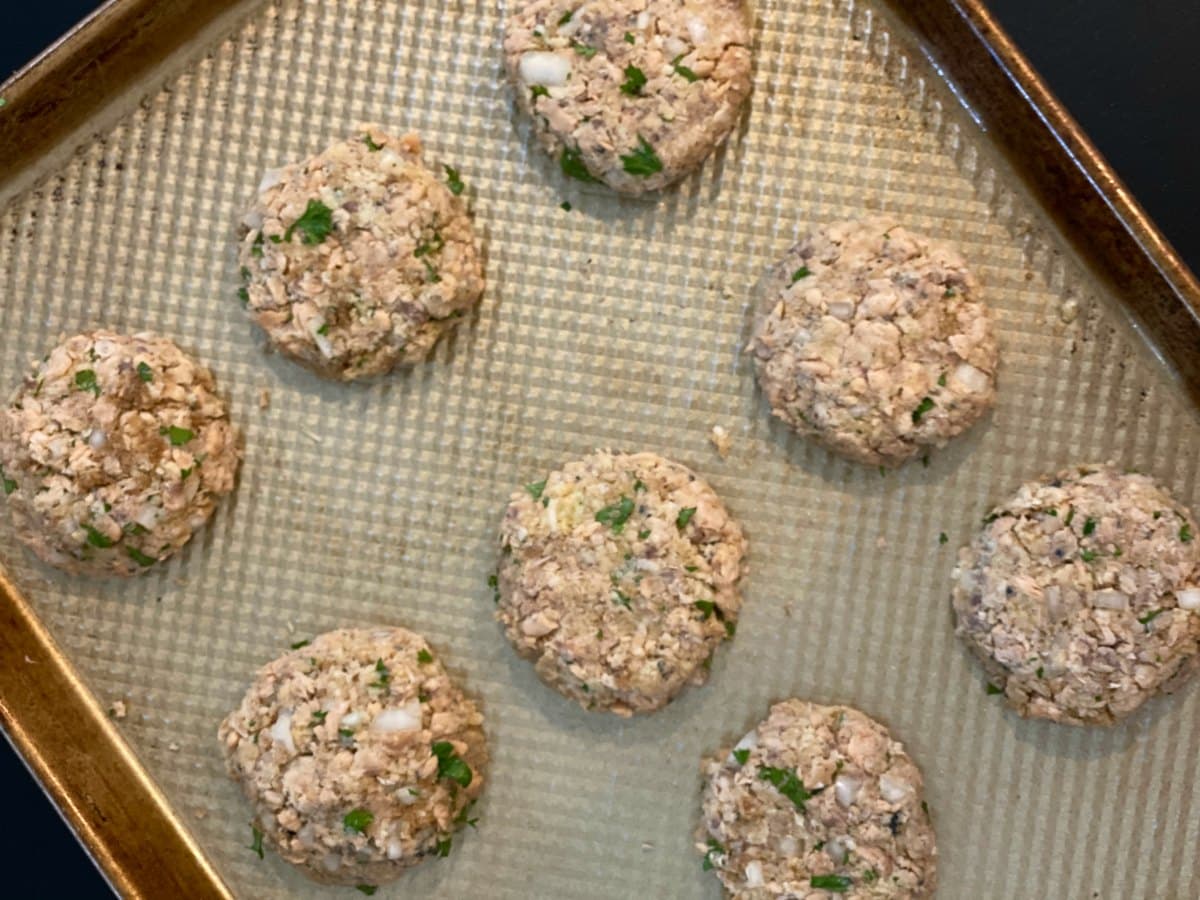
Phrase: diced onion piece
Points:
(892, 789)
(352, 719)
(281, 731)
(1110, 599)
(846, 789)
(543, 68)
(974, 380)
(698, 29)
(398, 720)
(754, 875)
(271, 178)
(1189, 598)
(97, 439)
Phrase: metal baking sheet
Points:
(619, 324)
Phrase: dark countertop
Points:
(1124, 69)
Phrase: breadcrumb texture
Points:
(604, 79)
(813, 796)
(386, 271)
(114, 451)
(335, 746)
(618, 579)
(873, 340)
(1081, 595)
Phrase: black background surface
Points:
(1126, 70)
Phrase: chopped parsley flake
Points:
(643, 161)
(742, 755)
(837, 884)
(97, 539)
(622, 599)
(346, 732)
(454, 181)
(1088, 555)
(85, 380)
(1185, 533)
(9, 484)
(1041, 672)
(357, 821)
(371, 145)
(145, 373)
(1089, 526)
(730, 630)
(323, 330)
(685, 516)
(314, 226)
(923, 407)
(584, 50)
(539, 90)
(616, 515)
(1070, 516)
(256, 845)
(566, 17)
(573, 166)
(706, 607)
(368, 889)
(176, 435)
(256, 249)
(319, 715)
(494, 584)
(443, 846)
(244, 295)
(942, 380)
(639, 485)
(424, 657)
(535, 489)
(870, 875)
(992, 690)
(450, 765)
(629, 38)
(643, 534)
(385, 676)
(801, 273)
(683, 71)
(714, 849)
(635, 80)
(786, 782)
(942, 538)
(1150, 617)
(566, 206)
(139, 557)
(299, 644)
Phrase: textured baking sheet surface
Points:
(618, 324)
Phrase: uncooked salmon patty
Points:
(114, 451)
(873, 340)
(359, 755)
(618, 579)
(817, 801)
(632, 93)
(359, 259)
(1081, 595)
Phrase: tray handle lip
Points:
(83, 763)
(1070, 178)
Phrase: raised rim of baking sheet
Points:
(56, 102)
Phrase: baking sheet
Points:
(619, 325)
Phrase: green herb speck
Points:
(371, 145)
(584, 50)
(837, 884)
(139, 557)
(1089, 526)
(943, 538)
(635, 80)
(314, 225)
(454, 181)
(685, 516)
(643, 161)
(742, 755)
(85, 380)
(714, 848)
(535, 489)
(145, 373)
(922, 408)
(424, 657)
(683, 71)
(357, 821)
(992, 690)
(1185, 533)
(574, 167)
(629, 38)
(299, 644)
(450, 765)
(786, 782)
(97, 539)
(176, 435)
(616, 515)
(368, 889)
(256, 845)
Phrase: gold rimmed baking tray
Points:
(127, 153)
